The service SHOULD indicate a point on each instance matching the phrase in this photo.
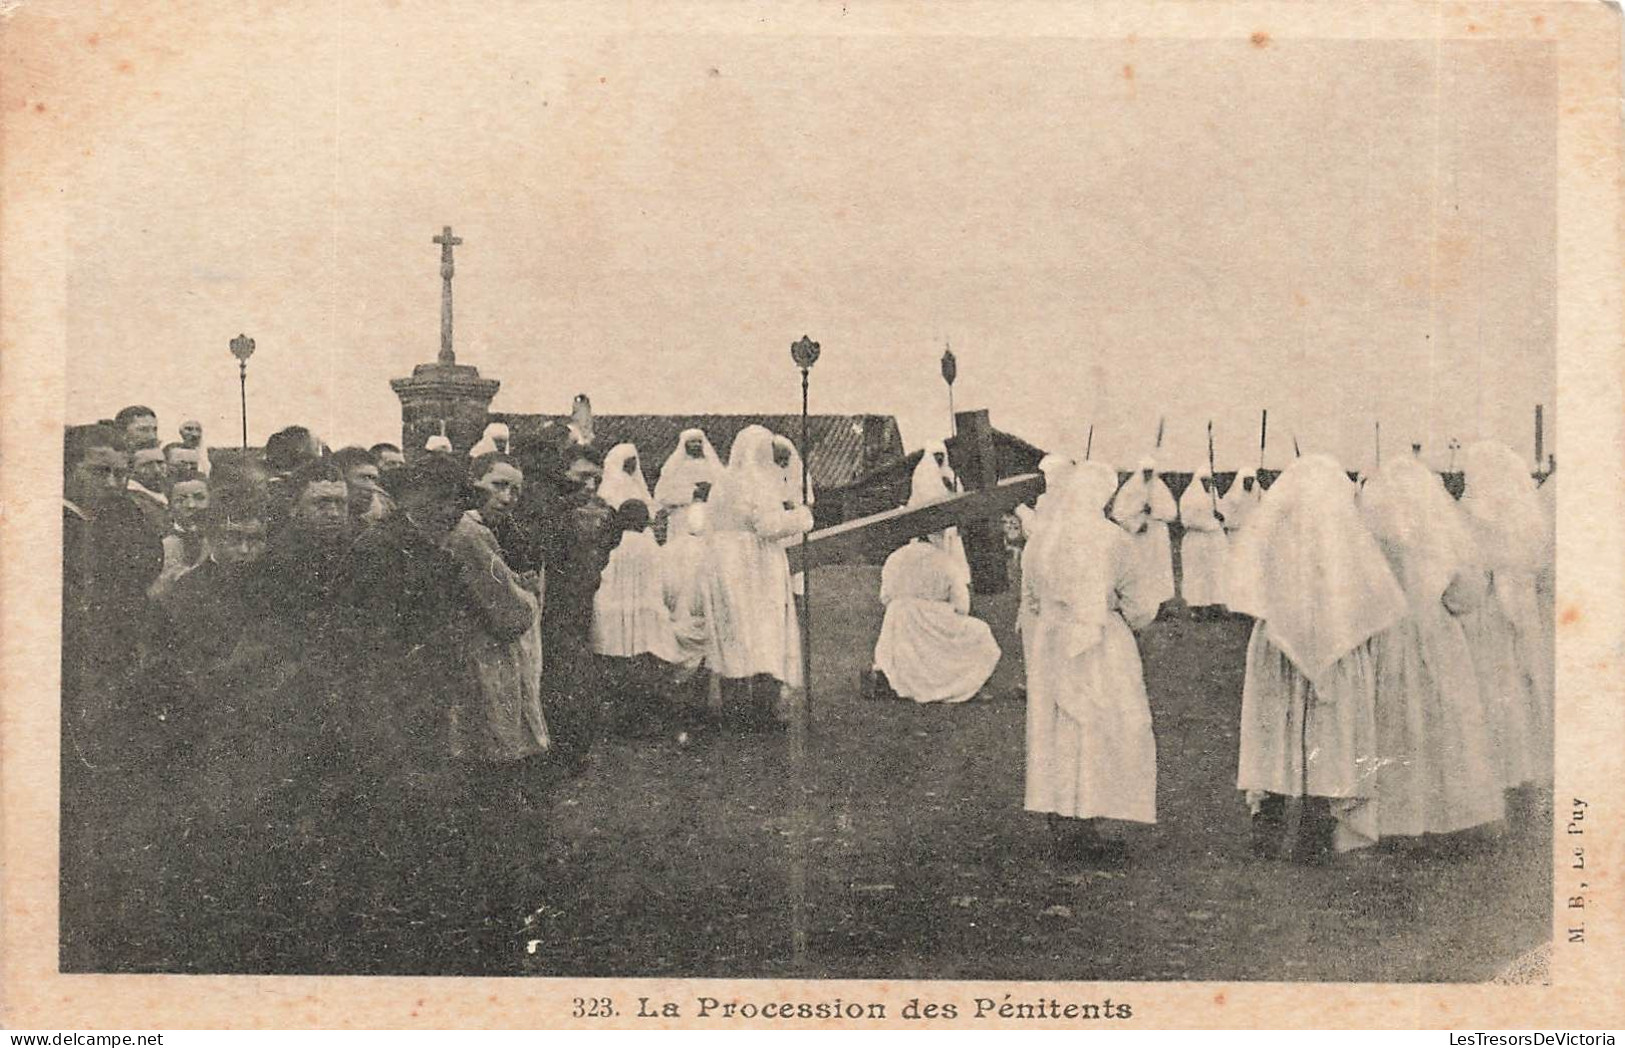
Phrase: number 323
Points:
(593, 1008)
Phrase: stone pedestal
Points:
(454, 394)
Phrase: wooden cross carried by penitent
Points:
(977, 512)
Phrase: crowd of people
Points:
(309, 693)
(1400, 675)
(309, 696)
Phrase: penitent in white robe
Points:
(683, 567)
(1506, 640)
(1144, 509)
(1304, 739)
(629, 613)
(930, 648)
(1434, 772)
(1204, 549)
(750, 612)
(1508, 633)
(1311, 574)
(1090, 749)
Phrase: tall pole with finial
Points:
(242, 347)
(950, 371)
(805, 354)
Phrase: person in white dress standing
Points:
(931, 649)
(1204, 548)
(788, 459)
(632, 633)
(1091, 754)
(1434, 772)
(1144, 507)
(630, 617)
(688, 475)
(683, 574)
(1510, 643)
(1307, 569)
(1055, 469)
(752, 639)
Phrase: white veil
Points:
(619, 486)
(1308, 567)
(681, 471)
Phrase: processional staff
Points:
(805, 355)
(1212, 471)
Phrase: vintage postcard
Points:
(829, 514)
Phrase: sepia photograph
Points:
(1059, 495)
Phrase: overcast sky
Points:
(1108, 231)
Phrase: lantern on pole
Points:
(805, 355)
(242, 347)
(950, 371)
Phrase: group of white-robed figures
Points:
(719, 592)
(1145, 506)
(1399, 678)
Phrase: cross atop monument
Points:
(447, 269)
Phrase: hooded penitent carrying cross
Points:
(930, 484)
(984, 505)
(930, 648)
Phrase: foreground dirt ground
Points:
(897, 847)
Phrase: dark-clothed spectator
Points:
(109, 558)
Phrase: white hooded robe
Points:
(1144, 508)
(930, 648)
(1090, 748)
(750, 613)
(1204, 549)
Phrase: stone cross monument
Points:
(445, 393)
(447, 270)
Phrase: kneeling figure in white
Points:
(930, 648)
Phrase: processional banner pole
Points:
(805, 354)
